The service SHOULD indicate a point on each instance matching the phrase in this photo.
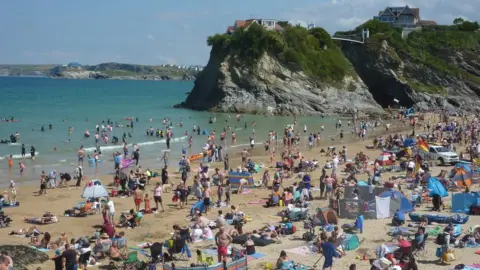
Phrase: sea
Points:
(82, 104)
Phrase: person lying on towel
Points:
(47, 218)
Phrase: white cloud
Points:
(337, 15)
(150, 36)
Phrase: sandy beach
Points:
(157, 227)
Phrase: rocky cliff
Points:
(433, 68)
(268, 86)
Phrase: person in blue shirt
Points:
(329, 251)
(306, 181)
(398, 218)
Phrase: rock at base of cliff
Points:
(23, 256)
(272, 89)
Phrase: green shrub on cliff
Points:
(429, 46)
(311, 51)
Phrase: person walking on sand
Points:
(81, 155)
(207, 194)
(223, 240)
(138, 197)
(157, 197)
(111, 211)
(165, 158)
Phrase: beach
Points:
(158, 227)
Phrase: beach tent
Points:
(382, 207)
(409, 142)
(94, 189)
(466, 166)
(384, 159)
(350, 242)
(198, 205)
(435, 187)
(461, 202)
(462, 176)
(327, 216)
(234, 179)
(397, 201)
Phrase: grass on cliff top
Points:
(431, 46)
(311, 51)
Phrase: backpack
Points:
(440, 239)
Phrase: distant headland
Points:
(111, 71)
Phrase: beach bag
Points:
(449, 256)
(440, 239)
(438, 252)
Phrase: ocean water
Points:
(82, 104)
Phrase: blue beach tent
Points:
(435, 187)
(397, 201)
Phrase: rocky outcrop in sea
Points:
(270, 88)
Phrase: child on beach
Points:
(219, 195)
(22, 169)
(227, 192)
(10, 162)
(147, 204)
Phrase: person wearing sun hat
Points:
(58, 260)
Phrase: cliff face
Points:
(390, 74)
(270, 88)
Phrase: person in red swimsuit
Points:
(138, 197)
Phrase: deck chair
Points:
(184, 251)
(131, 263)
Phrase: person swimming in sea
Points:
(42, 129)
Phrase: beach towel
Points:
(258, 202)
(40, 249)
(10, 205)
(302, 251)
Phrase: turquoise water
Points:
(82, 104)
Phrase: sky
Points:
(171, 32)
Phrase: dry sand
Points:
(157, 227)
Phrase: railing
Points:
(351, 38)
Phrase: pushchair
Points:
(5, 221)
(310, 226)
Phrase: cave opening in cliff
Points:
(387, 91)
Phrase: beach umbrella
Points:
(94, 189)
(462, 178)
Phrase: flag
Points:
(418, 162)
(422, 145)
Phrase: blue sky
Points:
(166, 31)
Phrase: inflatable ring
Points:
(195, 157)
